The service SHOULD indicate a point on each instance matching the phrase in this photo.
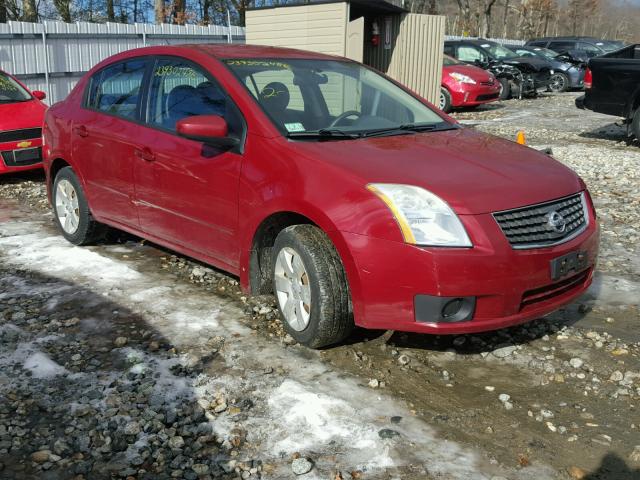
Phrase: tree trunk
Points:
(179, 12)
(29, 11)
(487, 18)
(64, 9)
(111, 16)
(3, 11)
(159, 11)
(505, 19)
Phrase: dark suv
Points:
(592, 47)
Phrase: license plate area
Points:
(573, 262)
(26, 155)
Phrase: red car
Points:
(21, 116)
(465, 85)
(324, 182)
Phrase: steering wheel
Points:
(342, 116)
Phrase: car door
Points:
(104, 134)
(186, 191)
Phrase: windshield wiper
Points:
(324, 134)
(411, 128)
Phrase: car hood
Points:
(18, 115)
(474, 172)
(478, 74)
(532, 63)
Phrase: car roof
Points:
(474, 41)
(225, 50)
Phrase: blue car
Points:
(566, 74)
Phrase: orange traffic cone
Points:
(520, 138)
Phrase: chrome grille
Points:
(544, 224)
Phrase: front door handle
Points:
(81, 130)
(145, 154)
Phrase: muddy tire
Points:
(71, 210)
(311, 287)
(445, 100)
(635, 124)
(505, 88)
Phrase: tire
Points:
(445, 100)
(559, 82)
(327, 314)
(635, 124)
(505, 88)
(86, 230)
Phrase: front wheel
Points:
(445, 100)
(311, 287)
(505, 88)
(71, 210)
(559, 83)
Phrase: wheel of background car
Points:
(559, 82)
(445, 100)
(342, 116)
(635, 124)
(505, 88)
(71, 210)
(311, 287)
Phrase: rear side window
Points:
(180, 89)
(562, 46)
(116, 89)
(591, 50)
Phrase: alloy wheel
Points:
(67, 208)
(443, 101)
(557, 83)
(293, 289)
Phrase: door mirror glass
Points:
(39, 94)
(205, 128)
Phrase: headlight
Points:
(424, 218)
(462, 78)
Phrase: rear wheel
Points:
(71, 210)
(505, 88)
(311, 287)
(445, 100)
(559, 82)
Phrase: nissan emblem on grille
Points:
(544, 224)
(556, 222)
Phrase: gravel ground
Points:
(149, 365)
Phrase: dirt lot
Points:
(124, 360)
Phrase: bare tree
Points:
(29, 11)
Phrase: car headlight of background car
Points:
(462, 78)
(424, 218)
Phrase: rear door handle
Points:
(145, 154)
(80, 130)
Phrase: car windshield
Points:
(448, 61)
(332, 98)
(545, 52)
(498, 51)
(11, 91)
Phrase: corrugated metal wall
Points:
(416, 57)
(73, 48)
(318, 28)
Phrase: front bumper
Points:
(509, 286)
(20, 155)
(469, 95)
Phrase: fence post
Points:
(46, 60)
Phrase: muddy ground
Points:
(125, 360)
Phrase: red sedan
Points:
(324, 182)
(21, 116)
(464, 85)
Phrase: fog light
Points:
(452, 307)
(434, 309)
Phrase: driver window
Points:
(115, 89)
(469, 54)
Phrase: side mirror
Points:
(209, 129)
(40, 95)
